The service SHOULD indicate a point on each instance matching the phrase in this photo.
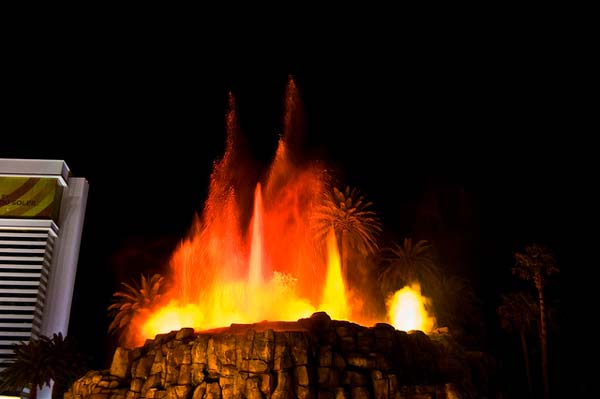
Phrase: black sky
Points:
(457, 136)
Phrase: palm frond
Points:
(133, 299)
(348, 212)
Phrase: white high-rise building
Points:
(42, 208)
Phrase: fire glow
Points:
(269, 266)
(408, 310)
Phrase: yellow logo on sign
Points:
(32, 197)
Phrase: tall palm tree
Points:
(355, 225)
(518, 313)
(29, 368)
(536, 263)
(132, 300)
(407, 263)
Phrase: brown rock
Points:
(213, 391)
(344, 331)
(325, 356)
(172, 373)
(199, 348)
(158, 365)
(227, 386)
(254, 362)
(211, 356)
(380, 385)
(228, 371)
(239, 384)
(340, 393)
(154, 381)
(365, 341)
(393, 383)
(359, 393)
(303, 392)
(282, 359)
(263, 344)
(355, 379)
(267, 384)
(302, 376)
(361, 361)
(199, 391)
(225, 349)
(326, 395)
(284, 385)
(329, 378)
(141, 367)
(182, 354)
(179, 392)
(121, 363)
(198, 373)
(257, 366)
(184, 334)
(299, 347)
(136, 384)
(338, 361)
(131, 395)
(253, 389)
(185, 374)
(328, 337)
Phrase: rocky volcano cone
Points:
(313, 358)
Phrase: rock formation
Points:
(313, 358)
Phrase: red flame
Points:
(272, 269)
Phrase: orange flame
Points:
(408, 310)
(334, 300)
(242, 264)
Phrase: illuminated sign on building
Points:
(30, 197)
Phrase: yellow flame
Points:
(407, 310)
(244, 301)
(230, 302)
(334, 300)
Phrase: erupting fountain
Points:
(225, 273)
(273, 269)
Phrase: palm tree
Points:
(29, 369)
(132, 300)
(355, 225)
(518, 313)
(407, 263)
(68, 364)
(536, 263)
(456, 305)
(38, 362)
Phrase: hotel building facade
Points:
(42, 209)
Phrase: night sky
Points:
(456, 138)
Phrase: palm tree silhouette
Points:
(38, 362)
(456, 304)
(407, 263)
(518, 313)
(132, 300)
(536, 263)
(28, 369)
(68, 364)
(355, 225)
